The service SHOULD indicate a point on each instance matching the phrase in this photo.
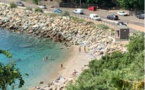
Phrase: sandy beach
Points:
(76, 61)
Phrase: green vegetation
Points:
(29, 8)
(8, 73)
(53, 15)
(36, 2)
(108, 4)
(77, 19)
(118, 71)
(38, 9)
(13, 5)
(65, 13)
(131, 4)
(102, 26)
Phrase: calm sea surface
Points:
(28, 53)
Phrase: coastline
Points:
(76, 61)
(67, 31)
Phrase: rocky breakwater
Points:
(26, 21)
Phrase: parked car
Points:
(78, 11)
(57, 10)
(121, 23)
(19, 4)
(122, 13)
(113, 17)
(95, 17)
(42, 6)
(141, 16)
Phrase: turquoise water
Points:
(28, 53)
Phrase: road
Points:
(102, 13)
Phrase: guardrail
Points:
(103, 21)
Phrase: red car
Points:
(92, 8)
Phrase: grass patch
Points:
(13, 5)
(102, 26)
(36, 1)
(77, 19)
(4, 5)
(65, 13)
(90, 23)
(53, 15)
(38, 9)
(29, 8)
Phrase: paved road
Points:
(101, 13)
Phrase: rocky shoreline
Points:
(60, 28)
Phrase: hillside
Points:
(118, 71)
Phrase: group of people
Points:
(86, 49)
(47, 58)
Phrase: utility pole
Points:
(80, 3)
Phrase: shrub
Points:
(38, 9)
(53, 15)
(77, 19)
(65, 13)
(13, 5)
(36, 1)
(29, 8)
(102, 26)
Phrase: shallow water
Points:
(28, 54)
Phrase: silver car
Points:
(141, 16)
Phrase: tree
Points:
(8, 73)
(36, 1)
(13, 5)
(131, 4)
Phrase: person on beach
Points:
(80, 49)
(88, 49)
(84, 48)
(75, 73)
(61, 66)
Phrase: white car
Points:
(78, 11)
(42, 6)
(122, 13)
(95, 17)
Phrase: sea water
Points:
(28, 53)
